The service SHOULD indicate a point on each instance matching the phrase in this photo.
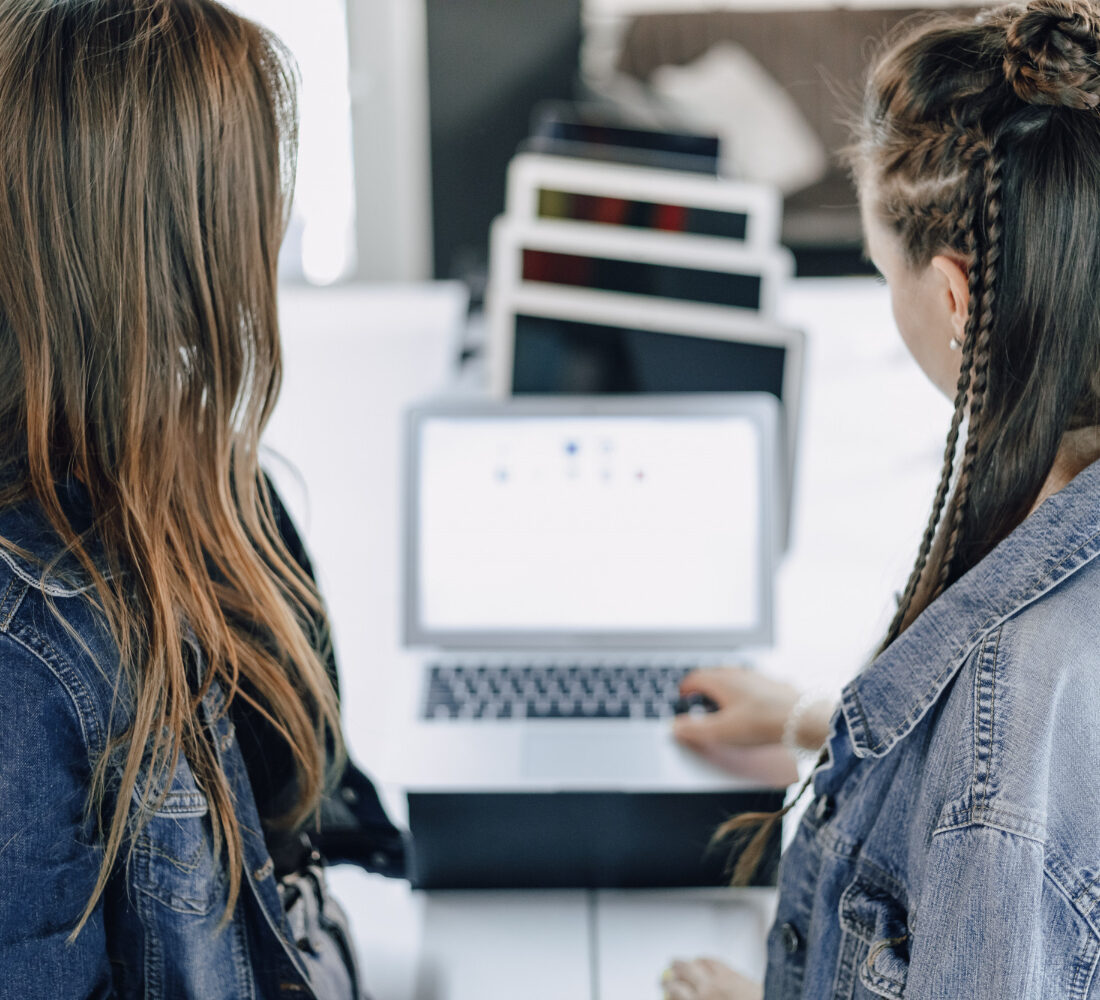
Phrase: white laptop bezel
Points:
(529, 173)
(760, 408)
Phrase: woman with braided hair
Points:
(953, 845)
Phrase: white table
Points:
(872, 440)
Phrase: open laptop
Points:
(591, 131)
(577, 261)
(568, 560)
(591, 193)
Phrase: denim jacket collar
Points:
(44, 562)
(887, 700)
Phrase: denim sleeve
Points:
(48, 860)
(989, 923)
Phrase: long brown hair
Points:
(980, 137)
(146, 164)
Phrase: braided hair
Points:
(979, 137)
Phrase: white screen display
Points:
(602, 523)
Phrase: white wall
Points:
(321, 237)
(389, 110)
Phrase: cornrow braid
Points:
(929, 202)
(964, 228)
(906, 600)
(934, 149)
(980, 330)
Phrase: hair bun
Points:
(1051, 53)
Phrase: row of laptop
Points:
(607, 521)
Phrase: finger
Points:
(714, 682)
(712, 729)
(673, 986)
(692, 973)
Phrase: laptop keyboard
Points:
(557, 692)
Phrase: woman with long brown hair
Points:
(169, 720)
(952, 846)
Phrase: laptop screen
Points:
(552, 355)
(589, 523)
(666, 281)
(636, 213)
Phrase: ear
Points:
(956, 288)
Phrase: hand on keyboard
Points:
(750, 709)
(742, 734)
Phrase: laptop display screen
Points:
(666, 281)
(638, 214)
(552, 355)
(589, 523)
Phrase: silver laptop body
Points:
(567, 560)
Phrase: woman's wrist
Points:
(806, 727)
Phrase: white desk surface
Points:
(872, 439)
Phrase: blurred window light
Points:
(320, 243)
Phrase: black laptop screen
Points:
(634, 214)
(566, 356)
(639, 278)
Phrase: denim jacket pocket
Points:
(174, 860)
(874, 951)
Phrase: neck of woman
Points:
(1080, 448)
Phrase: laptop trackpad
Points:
(577, 756)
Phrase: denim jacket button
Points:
(792, 940)
(824, 808)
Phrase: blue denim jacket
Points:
(155, 932)
(953, 846)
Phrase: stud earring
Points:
(954, 343)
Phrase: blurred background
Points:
(411, 110)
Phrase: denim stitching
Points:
(993, 714)
(962, 814)
(1090, 889)
(183, 803)
(15, 603)
(853, 699)
(984, 692)
(989, 824)
(70, 681)
(191, 906)
(1089, 974)
(1083, 894)
(876, 982)
(152, 964)
(975, 728)
(41, 584)
(1064, 891)
(243, 961)
(851, 961)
